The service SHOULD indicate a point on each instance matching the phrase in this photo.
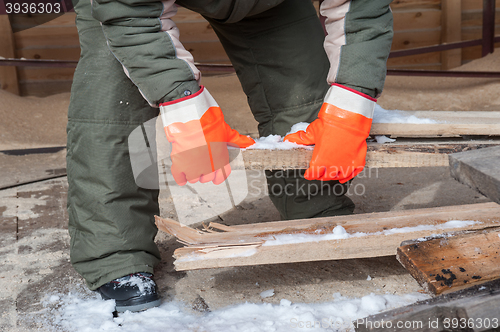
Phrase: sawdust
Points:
(29, 122)
(34, 122)
(444, 93)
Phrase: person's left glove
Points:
(199, 135)
(339, 135)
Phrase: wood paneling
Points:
(417, 23)
(8, 75)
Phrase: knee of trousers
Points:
(298, 198)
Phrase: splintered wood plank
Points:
(257, 244)
(472, 309)
(451, 263)
(479, 170)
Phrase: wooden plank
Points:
(378, 156)
(416, 60)
(210, 51)
(475, 4)
(449, 124)
(451, 25)
(415, 38)
(407, 4)
(31, 20)
(479, 170)
(434, 130)
(185, 15)
(8, 74)
(383, 233)
(43, 36)
(31, 74)
(477, 306)
(197, 32)
(416, 19)
(69, 53)
(452, 263)
(474, 18)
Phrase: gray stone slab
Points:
(479, 169)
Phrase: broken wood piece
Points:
(451, 263)
(479, 169)
(471, 309)
(342, 237)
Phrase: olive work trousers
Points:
(279, 59)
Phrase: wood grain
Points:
(451, 263)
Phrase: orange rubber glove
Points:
(339, 135)
(199, 135)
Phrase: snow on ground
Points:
(77, 312)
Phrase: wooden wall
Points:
(417, 23)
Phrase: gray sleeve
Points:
(142, 36)
(358, 43)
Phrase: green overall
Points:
(276, 48)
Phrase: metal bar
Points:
(436, 48)
(215, 67)
(488, 27)
(38, 63)
(443, 73)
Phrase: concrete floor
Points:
(34, 243)
(35, 249)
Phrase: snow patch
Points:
(384, 139)
(267, 293)
(298, 127)
(339, 233)
(396, 116)
(145, 285)
(275, 142)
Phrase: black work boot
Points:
(135, 292)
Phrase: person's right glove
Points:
(339, 135)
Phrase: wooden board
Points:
(479, 170)
(451, 263)
(378, 156)
(449, 124)
(253, 244)
(477, 306)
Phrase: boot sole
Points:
(138, 307)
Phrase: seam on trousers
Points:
(262, 88)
